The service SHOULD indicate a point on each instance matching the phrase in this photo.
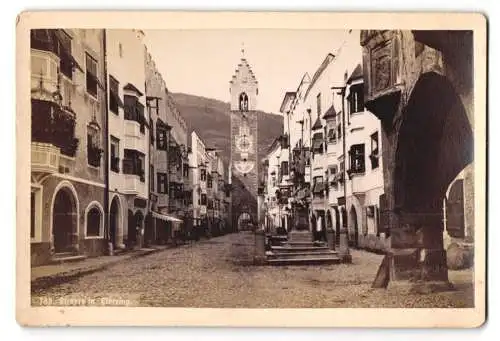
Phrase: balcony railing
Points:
(44, 157)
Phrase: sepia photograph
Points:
(251, 167)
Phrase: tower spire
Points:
(243, 50)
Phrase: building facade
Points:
(68, 108)
(129, 138)
(420, 85)
(331, 145)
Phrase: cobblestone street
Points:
(219, 273)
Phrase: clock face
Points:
(244, 167)
(244, 144)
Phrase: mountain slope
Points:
(210, 119)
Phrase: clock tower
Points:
(244, 166)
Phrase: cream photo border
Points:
(339, 317)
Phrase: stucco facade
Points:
(67, 152)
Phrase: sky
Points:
(202, 62)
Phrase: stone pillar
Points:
(260, 247)
(330, 237)
(344, 253)
(418, 258)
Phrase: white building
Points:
(198, 165)
(331, 131)
(128, 136)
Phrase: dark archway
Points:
(337, 225)
(354, 220)
(435, 143)
(244, 221)
(114, 220)
(64, 220)
(131, 230)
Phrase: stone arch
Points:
(92, 206)
(115, 219)
(354, 222)
(64, 218)
(435, 143)
(243, 221)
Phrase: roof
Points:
(289, 95)
(356, 73)
(131, 87)
(243, 66)
(328, 59)
(330, 113)
(317, 124)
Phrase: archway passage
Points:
(337, 225)
(354, 221)
(455, 222)
(244, 221)
(131, 230)
(114, 220)
(64, 221)
(435, 143)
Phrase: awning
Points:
(166, 217)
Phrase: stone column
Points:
(330, 237)
(344, 253)
(260, 247)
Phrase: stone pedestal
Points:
(417, 258)
(330, 238)
(260, 247)
(344, 253)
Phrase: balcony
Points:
(133, 184)
(53, 124)
(44, 158)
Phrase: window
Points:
(151, 133)
(93, 222)
(203, 199)
(133, 163)
(120, 50)
(94, 151)
(162, 183)
(374, 156)
(284, 168)
(209, 181)
(339, 131)
(185, 170)
(243, 102)
(161, 136)
(91, 75)
(203, 175)
(114, 95)
(66, 60)
(357, 155)
(318, 104)
(318, 185)
(151, 178)
(33, 214)
(356, 99)
(332, 135)
(134, 111)
(115, 154)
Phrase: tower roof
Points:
(244, 73)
